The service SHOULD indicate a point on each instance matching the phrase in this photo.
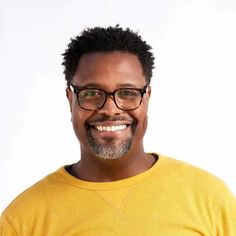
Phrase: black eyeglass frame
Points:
(77, 90)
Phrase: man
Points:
(116, 188)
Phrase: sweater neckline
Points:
(118, 184)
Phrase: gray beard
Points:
(111, 150)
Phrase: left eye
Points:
(128, 93)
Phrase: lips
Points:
(104, 125)
(112, 128)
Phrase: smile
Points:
(110, 128)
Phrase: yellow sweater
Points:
(170, 199)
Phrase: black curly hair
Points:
(109, 39)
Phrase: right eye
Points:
(90, 94)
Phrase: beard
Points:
(112, 149)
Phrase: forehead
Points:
(109, 68)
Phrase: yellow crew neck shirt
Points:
(171, 198)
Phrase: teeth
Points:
(110, 128)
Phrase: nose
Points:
(110, 108)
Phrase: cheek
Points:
(142, 121)
(76, 122)
(79, 118)
(144, 115)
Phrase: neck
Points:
(94, 169)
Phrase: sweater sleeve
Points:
(6, 228)
(226, 218)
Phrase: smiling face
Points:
(109, 133)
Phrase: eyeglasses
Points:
(92, 99)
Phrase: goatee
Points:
(111, 150)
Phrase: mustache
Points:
(103, 118)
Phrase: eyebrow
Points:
(97, 85)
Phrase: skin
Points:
(110, 71)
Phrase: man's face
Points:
(109, 133)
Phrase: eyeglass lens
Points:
(93, 99)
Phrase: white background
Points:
(192, 113)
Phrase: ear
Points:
(148, 95)
(149, 90)
(69, 96)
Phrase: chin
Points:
(112, 150)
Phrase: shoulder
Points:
(191, 177)
(203, 195)
(36, 194)
(194, 185)
(179, 166)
